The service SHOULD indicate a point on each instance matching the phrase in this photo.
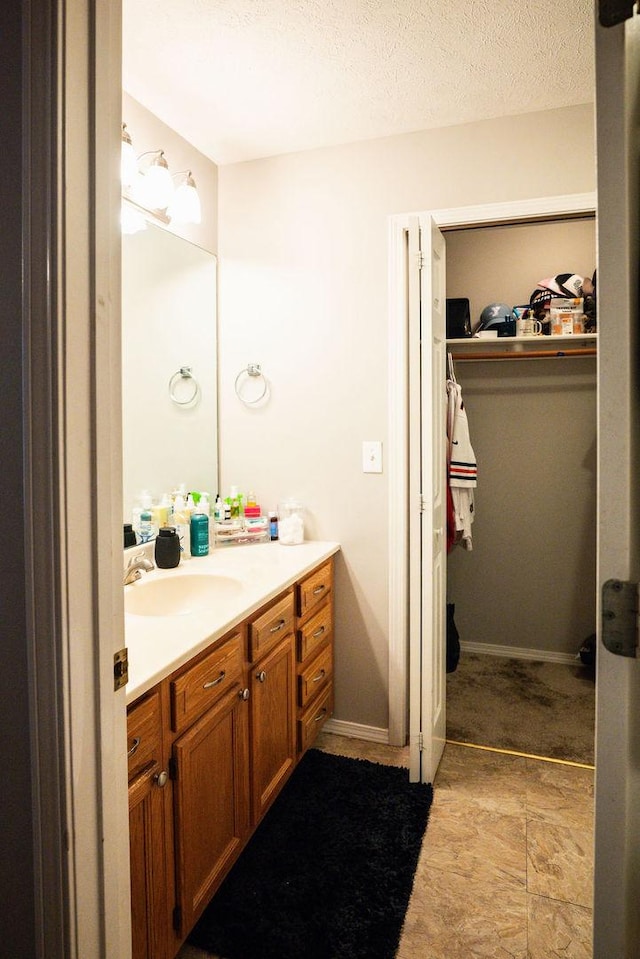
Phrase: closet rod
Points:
(524, 355)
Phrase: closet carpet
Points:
(538, 708)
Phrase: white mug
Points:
(528, 327)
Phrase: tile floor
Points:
(506, 864)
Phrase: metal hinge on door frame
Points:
(420, 259)
(421, 741)
(620, 617)
(120, 669)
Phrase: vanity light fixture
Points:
(148, 185)
(155, 185)
(185, 204)
(132, 220)
(128, 160)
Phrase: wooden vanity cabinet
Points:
(314, 649)
(149, 839)
(272, 702)
(226, 730)
(210, 772)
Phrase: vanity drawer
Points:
(144, 734)
(315, 633)
(271, 626)
(312, 590)
(201, 685)
(313, 718)
(316, 675)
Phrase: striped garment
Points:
(461, 467)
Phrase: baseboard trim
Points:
(515, 652)
(371, 734)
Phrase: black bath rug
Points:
(329, 872)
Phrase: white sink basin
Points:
(179, 595)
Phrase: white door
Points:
(617, 862)
(427, 498)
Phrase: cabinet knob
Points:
(261, 676)
(243, 694)
(160, 779)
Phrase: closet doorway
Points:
(404, 699)
(525, 596)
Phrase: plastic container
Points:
(291, 523)
(167, 548)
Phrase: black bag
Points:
(453, 640)
(458, 318)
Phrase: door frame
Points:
(71, 110)
(399, 424)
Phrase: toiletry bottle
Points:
(182, 523)
(129, 535)
(204, 506)
(273, 525)
(199, 534)
(167, 548)
(219, 510)
(147, 529)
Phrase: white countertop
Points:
(157, 645)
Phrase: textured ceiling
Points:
(243, 79)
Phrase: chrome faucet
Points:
(134, 568)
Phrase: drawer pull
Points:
(278, 626)
(261, 676)
(321, 715)
(318, 589)
(215, 682)
(136, 743)
(318, 632)
(160, 779)
(320, 676)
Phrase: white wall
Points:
(303, 291)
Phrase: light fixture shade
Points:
(185, 205)
(155, 186)
(131, 220)
(128, 161)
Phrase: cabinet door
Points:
(211, 793)
(149, 879)
(273, 723)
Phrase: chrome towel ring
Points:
(254, 371)
(184, 373)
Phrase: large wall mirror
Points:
(168, 325)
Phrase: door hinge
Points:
(173, 768)
(420, 259)
(421, 742)
(620, 617)
(177, 919)
(120, 669)
(422, 503)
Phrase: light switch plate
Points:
(371, 456)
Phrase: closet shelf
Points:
(515, 347)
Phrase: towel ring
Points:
(254, 371)
(184, 373)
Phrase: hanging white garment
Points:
(462, 466)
